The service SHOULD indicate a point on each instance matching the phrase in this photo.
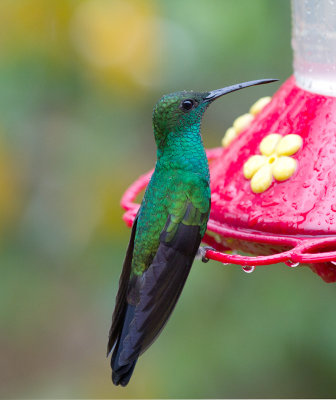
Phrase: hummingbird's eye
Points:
(187, 105)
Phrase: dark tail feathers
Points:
(121, 373)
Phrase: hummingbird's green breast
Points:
(181, 177)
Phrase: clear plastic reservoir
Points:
(314, 45)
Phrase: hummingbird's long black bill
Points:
(214, 94)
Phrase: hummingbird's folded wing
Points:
(162, 283)
(121, 303)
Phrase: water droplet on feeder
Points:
(292, 264)
(249, 268)
(333, 262)
(225, 263)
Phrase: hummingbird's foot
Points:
(201, 252)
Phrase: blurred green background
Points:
(78, 80)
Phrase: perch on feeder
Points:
(277, 200)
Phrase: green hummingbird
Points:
(167, 230)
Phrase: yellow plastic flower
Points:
(274, 161)
(243, 121)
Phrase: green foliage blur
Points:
(78, 80)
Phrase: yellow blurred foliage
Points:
(116, 38)
(35, 23)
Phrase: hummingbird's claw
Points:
(201, 252)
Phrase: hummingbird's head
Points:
(176, 111)
(181, 112)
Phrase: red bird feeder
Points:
(274, 185)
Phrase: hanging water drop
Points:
(292, 264)
(248, 268)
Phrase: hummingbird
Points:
(167, 230)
